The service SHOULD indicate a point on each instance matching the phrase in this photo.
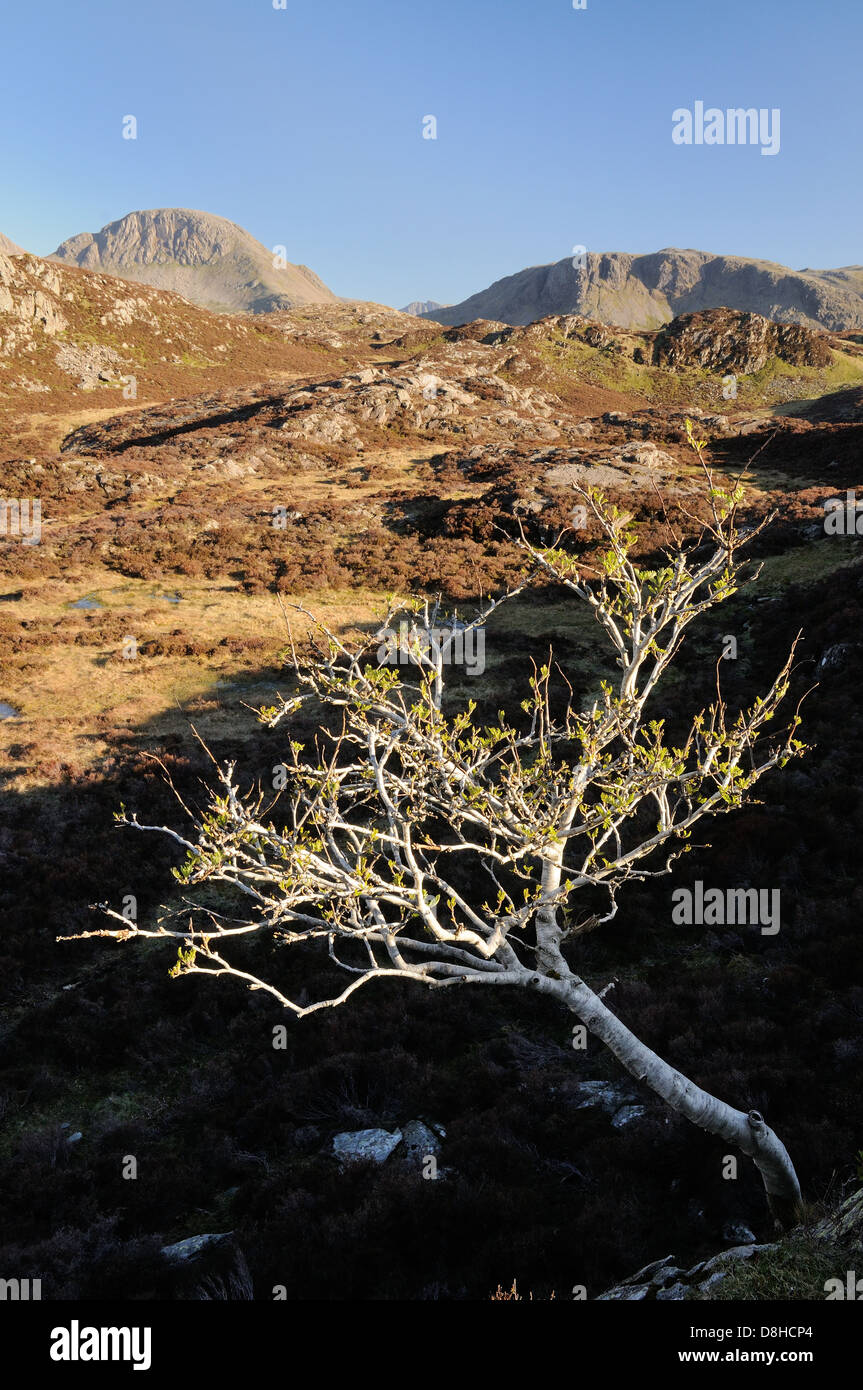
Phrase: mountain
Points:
(207, 259)
(8, 248)
(646, 291)
(419, 307)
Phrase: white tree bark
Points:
(747, 1132)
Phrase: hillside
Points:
(207, 259)
(74, 343)
(403, 456)
(632, 291)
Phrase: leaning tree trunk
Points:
(748, 1132)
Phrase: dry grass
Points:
(75, 663)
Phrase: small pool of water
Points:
(86, 603)
(169, 598)
(8, 711)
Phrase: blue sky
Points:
(553, 129)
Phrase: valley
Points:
(328, 457)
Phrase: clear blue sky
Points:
(554, 129)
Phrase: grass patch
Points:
(806, 564)
(797, 1269)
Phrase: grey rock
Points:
(739, 1233)
(625, 1294)
(616, 1100)
(419, 1141)
(738, 1252)
(651, 1271)
(663, 1280)
(90, 364)
(602, 1095)
(715, 1278)
(835, 658)
(366, 1145)
(626, 1114)
(182, 1251)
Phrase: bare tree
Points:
(378, 846)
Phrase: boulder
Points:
(419, 1142)
(738, 1233)
(366, 1145)
(182, 1251)
(626, 1114)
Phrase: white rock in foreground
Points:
(371, 1145)
(192, 1246)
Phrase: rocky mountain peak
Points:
(207, 259)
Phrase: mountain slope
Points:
(646, 291)
(207, 259)
(9, 248)
(72, 340)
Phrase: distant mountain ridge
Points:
(419, 307)
(630, 291)
(207, 259)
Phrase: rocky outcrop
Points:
(728, 340)
(472, 404)
(207, 259)
(27, 303)
(90, 365)
(664, 1282)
